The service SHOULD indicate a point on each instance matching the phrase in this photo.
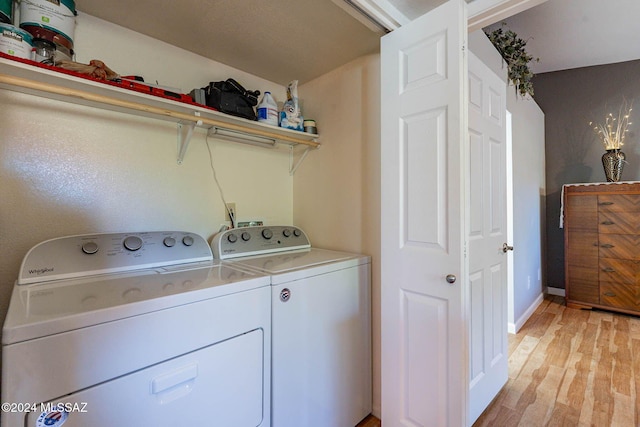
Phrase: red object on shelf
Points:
(39, 32)
(145, 88)
(139, 87)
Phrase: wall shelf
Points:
(25, 78)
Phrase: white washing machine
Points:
(135, 329)
(321, 324)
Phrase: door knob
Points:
(506, 248)
(451, 278)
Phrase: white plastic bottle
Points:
(268, 110)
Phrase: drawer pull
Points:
(607, 246)
(607, 223)
(609, 294)
(609, 270)
(605, 203)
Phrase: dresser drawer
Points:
(583, 273)
(582, 249)
(581, 212)
(621, 246)
(618, 223)
(619, 203)
(620, 296)
(621, 271)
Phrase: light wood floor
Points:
(568, 368)
(370, 421)
(571, 367)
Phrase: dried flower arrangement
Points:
(512, 50)
(613, 132)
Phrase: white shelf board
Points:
(39, 81)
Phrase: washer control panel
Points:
(246, 241)
(91, 254)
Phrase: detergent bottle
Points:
(268, 110)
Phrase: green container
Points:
(6, 11)
(15, 41)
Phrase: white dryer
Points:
(321, 324)
(135, 329)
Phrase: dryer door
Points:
(218, 385)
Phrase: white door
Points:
(487, 234)
(424, 129)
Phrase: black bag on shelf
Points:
(230, 97)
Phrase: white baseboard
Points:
(555, 291)
(513, 328)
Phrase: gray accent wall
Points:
(571, 99)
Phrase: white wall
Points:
(528, 207)
(67, 169)
(337, 190)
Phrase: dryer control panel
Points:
(91, 254)
(246, 241)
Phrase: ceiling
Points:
(279, 40)
(283, 40)
(566, 34)
(415, 8)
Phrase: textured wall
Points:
(570, 100)
(67, 169)
(337, 190)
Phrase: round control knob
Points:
(267, 234)
(286, 232)
(232, 238)
(131, 293)
(89, 301)
(297, 232)
(90, 248)
(169, 242)
(132, 243)
(187, 240)
(246, 236)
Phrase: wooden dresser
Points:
(602, 246)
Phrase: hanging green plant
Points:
(511, 48)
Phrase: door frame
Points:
(481, 13)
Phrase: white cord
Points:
(215, 178)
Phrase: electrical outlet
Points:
(231, 208)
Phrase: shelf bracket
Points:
(183, 140)
(293, 165)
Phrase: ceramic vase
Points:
(613, 162)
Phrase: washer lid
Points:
(294, 265)
(53, 307)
